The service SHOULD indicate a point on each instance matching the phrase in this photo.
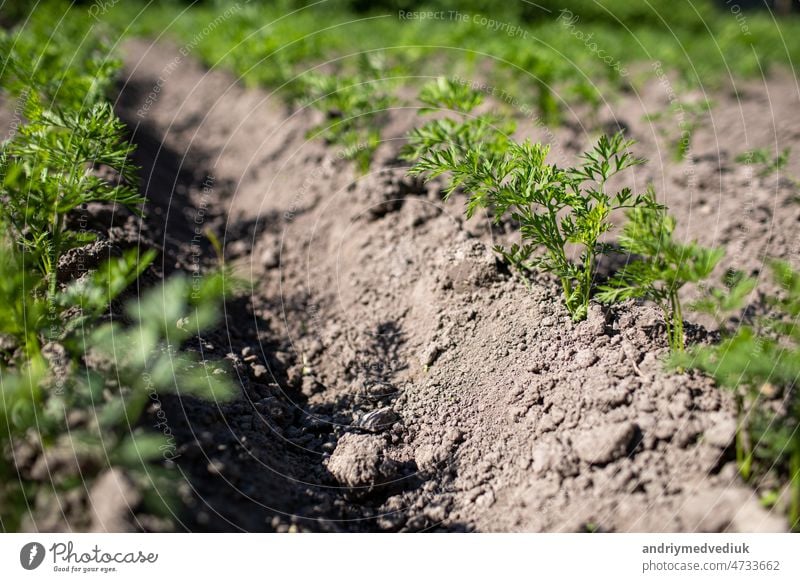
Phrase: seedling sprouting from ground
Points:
(449, 95)
(558, 209)
(767, 163)
(72, 148)
(48, 170)
(81, 386)
(722, 304)
(138, 361)
(662, 267)
(688, 116)
(354, 107)
(760, 362)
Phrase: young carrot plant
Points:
(760, 362)
(54, 399)
(354, 107)
(48, 170)
(72, 388)
(689, 116)
(46, 55)
(662, 267)
(559, 210)
(723, 304)
(71, 150)
(766, 162)
(449, 95)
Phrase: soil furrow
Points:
(395, 375)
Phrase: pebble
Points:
(378, 420)
(310, 386)
(358, 461)
(238, 248)
(485, 500)
(271, 258)
(664, 429)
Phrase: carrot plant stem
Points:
(744, 456)
(794, 486)
(676, 337)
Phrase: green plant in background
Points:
(48, 170)
(89, 413)
(760, 362)
(487, 132)
(548, 75)
(72, 149)
(354, 107)
(534, 53)
(60, 55)
(767, 162)
(764, 158)
(661, 268)
(557, 208)
(723, 303)
(73, 390)
(689, 116)
(445, 94)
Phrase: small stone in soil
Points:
(358, 461)
(310, 386)
(271, 257)
(378, 420)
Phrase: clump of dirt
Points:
(395, 375)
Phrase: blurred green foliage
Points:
(758, 359)
(73, 386)
(546, 54)
(72, 381)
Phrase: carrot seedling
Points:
(662, 268)
(760, 363)
(558, 210)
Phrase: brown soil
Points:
(395, 375)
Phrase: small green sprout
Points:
(768, 163)
(661, 268)
(722, 304)
(354, 107)
(450, 95)
(69, 383)
(689, 117)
